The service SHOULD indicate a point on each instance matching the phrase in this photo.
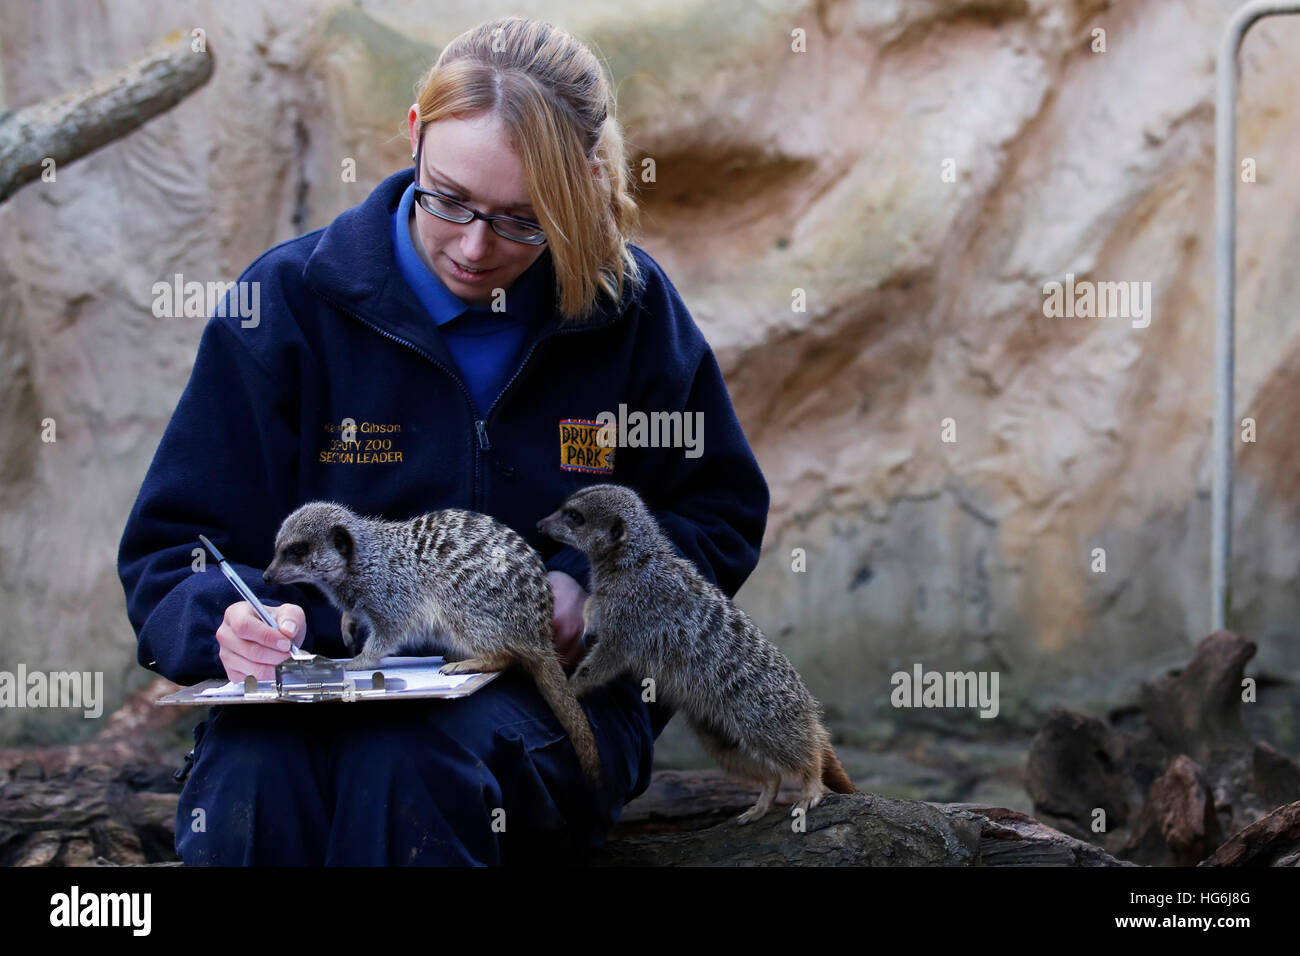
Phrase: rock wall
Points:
(822, 171)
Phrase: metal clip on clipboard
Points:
(317, 679)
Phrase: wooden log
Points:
(80, 122)
(1178, 824)
(113, 797)
(1192, 769)
(1272, 841)
(1198, 710)
(687, 818)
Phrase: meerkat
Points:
(651, 613)
(460, 576)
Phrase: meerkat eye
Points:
(297, 551)
(573, 518)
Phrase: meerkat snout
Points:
(313, 544)
(592, 520)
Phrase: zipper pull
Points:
(184, 770)
(482, 435)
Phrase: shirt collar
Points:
(351, 267)
(439, 301)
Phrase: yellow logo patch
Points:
(579, 449)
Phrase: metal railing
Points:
(1225, 265)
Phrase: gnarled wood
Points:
(112, 106)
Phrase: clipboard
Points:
(396, 678)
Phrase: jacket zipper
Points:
(480, 425)
(519, 371)
(524, 364)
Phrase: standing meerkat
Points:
(458, 575)
(651, 613)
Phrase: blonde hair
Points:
(549, 90)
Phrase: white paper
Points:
(418, 673)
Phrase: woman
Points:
(447, 343)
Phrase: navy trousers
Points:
(483, 780)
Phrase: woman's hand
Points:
(566, 621)
(248, 646)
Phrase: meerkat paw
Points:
(812, 795)
(476, 665)
(362, 662)
(470, 666)
(764, 802)
(349, 626)
(807, 803)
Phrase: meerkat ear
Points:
(342, 542)
(617, 531)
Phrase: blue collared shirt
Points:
(485, 344)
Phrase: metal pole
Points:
(1225, 251)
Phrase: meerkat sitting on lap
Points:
(459, 574)
(651, 613)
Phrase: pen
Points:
(246, 593)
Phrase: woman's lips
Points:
(460, 272)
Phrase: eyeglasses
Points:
(453, 210)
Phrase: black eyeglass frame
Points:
(473, 213)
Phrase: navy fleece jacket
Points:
(340, 335)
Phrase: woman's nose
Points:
(473, 245)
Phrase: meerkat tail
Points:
(550, 680)
(833, 774)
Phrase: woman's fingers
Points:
(249, 646)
